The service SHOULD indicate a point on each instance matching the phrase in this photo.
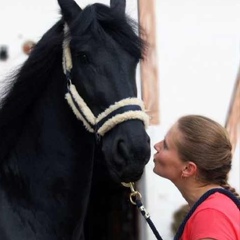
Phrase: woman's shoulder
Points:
(217, 216)
(220, 202)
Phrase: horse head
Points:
(101, 51)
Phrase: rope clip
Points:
(134, 194)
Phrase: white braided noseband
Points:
(83, 113)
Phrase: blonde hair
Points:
(206, 143)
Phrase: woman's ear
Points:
(189, 170)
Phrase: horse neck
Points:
(51, 166)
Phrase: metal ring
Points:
(135, 194)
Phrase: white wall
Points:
(198, 53)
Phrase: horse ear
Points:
(120, 5)
(69, 9)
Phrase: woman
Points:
(196, 156)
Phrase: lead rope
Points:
(135, 199)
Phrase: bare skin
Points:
(182, 174)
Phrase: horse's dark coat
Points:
(46, 155)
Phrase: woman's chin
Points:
(156, 171)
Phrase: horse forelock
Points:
(101, 20)
(123, 29)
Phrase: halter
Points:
(121, 111)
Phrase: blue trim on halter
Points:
(120, 110)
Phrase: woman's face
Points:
(166, 159)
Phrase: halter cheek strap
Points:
(67, 57)
(121, 111)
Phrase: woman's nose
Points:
(157, 146)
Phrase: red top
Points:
(217, 217)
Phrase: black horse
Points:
(54, 169)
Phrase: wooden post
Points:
(149, 68)
(233, 117)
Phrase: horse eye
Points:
(83, 58)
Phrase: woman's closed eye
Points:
(165, 146)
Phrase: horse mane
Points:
(31, 80)
(25, 87)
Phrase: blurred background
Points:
(192, 68)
